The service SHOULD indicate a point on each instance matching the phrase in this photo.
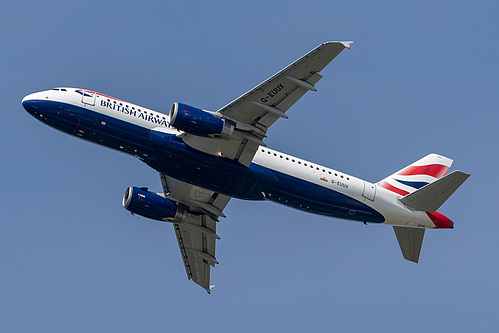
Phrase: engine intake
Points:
(199, 122)
(148, 204)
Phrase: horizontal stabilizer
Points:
(430, 197)
(410, 241)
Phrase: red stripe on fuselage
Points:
(392, 188)
(434, 170)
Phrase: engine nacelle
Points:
(148, 204)
(199, 122)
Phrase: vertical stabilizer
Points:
(420, 173)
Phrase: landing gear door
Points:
(369, 191)
(87, 97)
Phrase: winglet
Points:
(210, 288)
(347, 44)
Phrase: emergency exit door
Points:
(369, 191)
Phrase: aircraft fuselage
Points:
(272, 175)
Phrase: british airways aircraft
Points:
(205, 158)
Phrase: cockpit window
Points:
(63, 89)
(55, 89)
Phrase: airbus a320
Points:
(205, 158)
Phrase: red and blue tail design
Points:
(418, 174)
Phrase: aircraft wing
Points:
(196, 234)
(255, 111)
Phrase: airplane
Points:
(205, 158)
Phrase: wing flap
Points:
(197, 248)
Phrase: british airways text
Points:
(134, 112)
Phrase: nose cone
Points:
(29, 103)
(441, 221)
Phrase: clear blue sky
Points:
(420, 78)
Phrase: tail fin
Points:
(420, 173)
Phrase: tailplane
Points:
(410, 241)
(430, 197)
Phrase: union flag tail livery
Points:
(205, 158)
(418, 174)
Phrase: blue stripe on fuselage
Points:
(168, 154)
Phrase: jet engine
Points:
(149, 204)
(199, 122)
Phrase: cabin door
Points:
(369, 191)
(88, 97)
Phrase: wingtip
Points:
(208, 290)
(347, 44)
